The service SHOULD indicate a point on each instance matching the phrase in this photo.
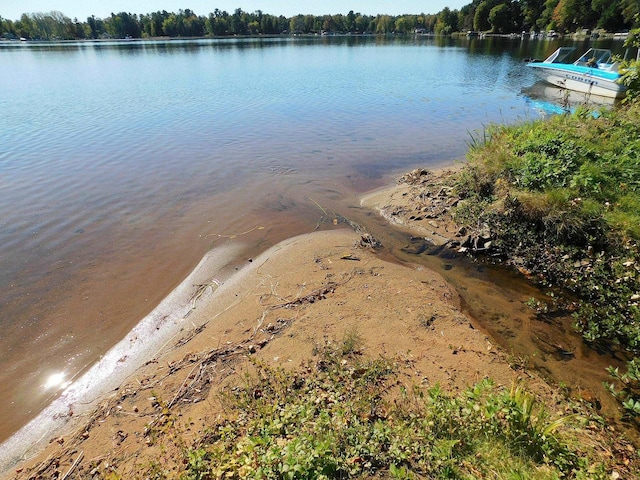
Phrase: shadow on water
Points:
(500, 301)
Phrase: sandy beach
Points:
(304, 292)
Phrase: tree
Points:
(447, 21)
(328, 24)
(91, 21)
(609, 14)
(384, 24)
(170, 25)
(192, 25)
(123, 25)
(630, 70)
(78, 30)
(24, 27)
(500, 19)
(465, 17)
(157, 20)
(296, 24)
(406, 24)
(362, 23)
(545, 22)
(430, 23)
(631, 11)
(238, 24)
(496, 15)
(217, 23)
(350, 23)
(281, 24)
(310, 24)
(531, 12)
(267, 25)
(60, 25)
(481, 17)
(573, 14)
(339, 23)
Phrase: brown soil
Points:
(310, 290)
(421, 201)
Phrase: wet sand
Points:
(74, 312)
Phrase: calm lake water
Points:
(121, 164)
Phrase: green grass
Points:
(562, 199)
(348, 417)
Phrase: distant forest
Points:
(493, 16)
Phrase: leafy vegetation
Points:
(495, 16)
(629, 393)
(562, 199)
(630, 69)
(347, 417)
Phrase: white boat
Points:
(595, 72)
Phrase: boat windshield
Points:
(595, 57)
(561, 55)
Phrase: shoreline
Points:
(178, 316)
(399, 204)
(305, 291)
(153, 332)
(330, 257)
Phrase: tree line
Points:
(495, 16)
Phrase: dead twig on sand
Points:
(197, 374)
(316, 295)
(324, 215)
(234, 235)
(73, 466)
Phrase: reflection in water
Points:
(56, 381)
(552, 100)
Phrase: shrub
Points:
(562, 200)
(347, 417)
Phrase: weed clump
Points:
(561, 199)
(349, 417)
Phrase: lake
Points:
(122, 163)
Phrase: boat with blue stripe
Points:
(595, 72)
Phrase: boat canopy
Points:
(561, 55)
(595, 56)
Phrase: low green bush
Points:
(347, 417)
(630, 69)
(562, 199)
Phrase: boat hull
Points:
(587, 81)
(563, 98)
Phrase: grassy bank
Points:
(560, 200)
(345, 416)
